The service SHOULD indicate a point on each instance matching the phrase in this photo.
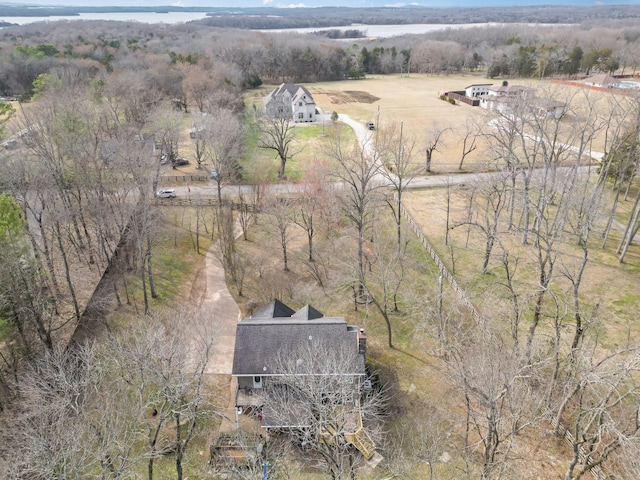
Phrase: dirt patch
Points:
(352, 96)
(349, 96)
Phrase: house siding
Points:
(294, 101)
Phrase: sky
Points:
(318, 3)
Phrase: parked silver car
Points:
(166, 193)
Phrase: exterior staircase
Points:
(359, 437)
(362, 441)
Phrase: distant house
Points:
(293, 101)
(549, 107)
(602, 80)
(506, 90)
(504, 97)
(276, 333)
(477, 90)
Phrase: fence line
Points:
(197, 201)
(184, 178)
(444, 271)
(597, 471)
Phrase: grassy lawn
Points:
(607, 283)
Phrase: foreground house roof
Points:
(275, 329)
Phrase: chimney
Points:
(362, 342)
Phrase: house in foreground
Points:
(300, 370)
(291, 101)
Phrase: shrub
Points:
(452, 101)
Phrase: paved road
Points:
(366, 138)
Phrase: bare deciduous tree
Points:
(357, 171)
(318, 389)
(603, 400)
(277, 133)
(433, 139)
(469, 141)
(162, 363)
(280, 211)
(493, 383)
(220, 135)
(396, 153)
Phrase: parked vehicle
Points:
(371, 126)
(179, 161)
(214, 174)
(166, 193)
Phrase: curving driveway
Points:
(220, 307)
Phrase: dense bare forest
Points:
(167, 54)
(103, 108)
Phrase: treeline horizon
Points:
(165, 54)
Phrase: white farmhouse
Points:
(477, 90)
(503, 98)
(293, 101)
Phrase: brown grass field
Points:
(414, 100)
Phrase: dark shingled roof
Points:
(274, 309)
(289, 87)
(307, 313)
(262, 338)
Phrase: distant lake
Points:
(386, 31)
(142, 17)
(382, 31)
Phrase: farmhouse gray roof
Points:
(510, 88)
(292, 88)
(263, 338)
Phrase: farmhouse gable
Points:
(477, 90)
(291, 101)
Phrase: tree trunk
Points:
(630, 230)
(67, 272)
(487, 253)
(179, 452)
(152, 285)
